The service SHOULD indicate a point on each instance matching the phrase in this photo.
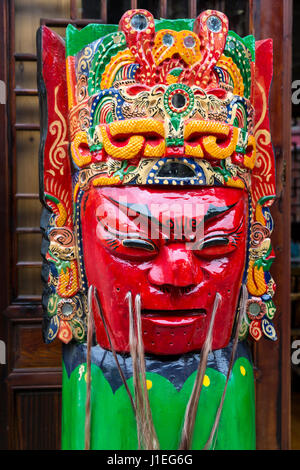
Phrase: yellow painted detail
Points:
(62, 217)
(118, 61)
(205, 127)
(227, 64)
(106, 180)
(70, 85)
(256, 283)
(135, 143)
(171, 79)
(130, 150)
(206, 381)
(79, 158)
(193, 150)
(235, 183)
(209, 142)
(133, 126)
(259, 215)
(249, 161)
(75, 192)
(68, 281)
(161, 52)
(243, 370)
(155, 150)
(149, 384)
(216, 151)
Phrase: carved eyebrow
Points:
(143, 209)
(215, 211)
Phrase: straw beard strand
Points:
(192, 406)
(147, 438)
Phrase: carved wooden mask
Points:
(156, 174)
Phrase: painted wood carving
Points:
(156, 176)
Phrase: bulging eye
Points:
(126, 245)
(135, 249)
(138, 243)
(215, 247)
(139, 22)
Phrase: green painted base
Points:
(112, 421)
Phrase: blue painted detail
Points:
(237, 100)
(154, 178)
(268, 329)
(132, 71)
(53, 269)
(266, 297)
(52, 329)
(84, 58)
(113, 93)
(268, 277)
(267, 215)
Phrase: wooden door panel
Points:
(273, 360)
(36, 418)
(28, 348)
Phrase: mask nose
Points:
(175, 266)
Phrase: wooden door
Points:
(31, 378)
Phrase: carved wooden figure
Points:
(156, 175)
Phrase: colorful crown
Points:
(156, 99)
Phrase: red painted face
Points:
(176, 262)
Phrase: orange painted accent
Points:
(65, 332)
(71, 81)
(80, 149)
(62, 217)
(76, 190)
(217, 151)
(235, 183)
(68, 281)
(130, 150)
(118, 61)
(134, 144)
(161, 52)
(209, 142)
(132, 126)
(106, 180)
(227, 64)
(249, 160)
(259, 217)
(256, 283)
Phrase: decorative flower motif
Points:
(66, 319)
(261, 312)
(256, 309)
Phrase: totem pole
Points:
(156, 176)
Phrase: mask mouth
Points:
(195, 312)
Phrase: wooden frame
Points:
(4, 207)
(268, 18)
(273, 18)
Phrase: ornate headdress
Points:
(152, 102)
